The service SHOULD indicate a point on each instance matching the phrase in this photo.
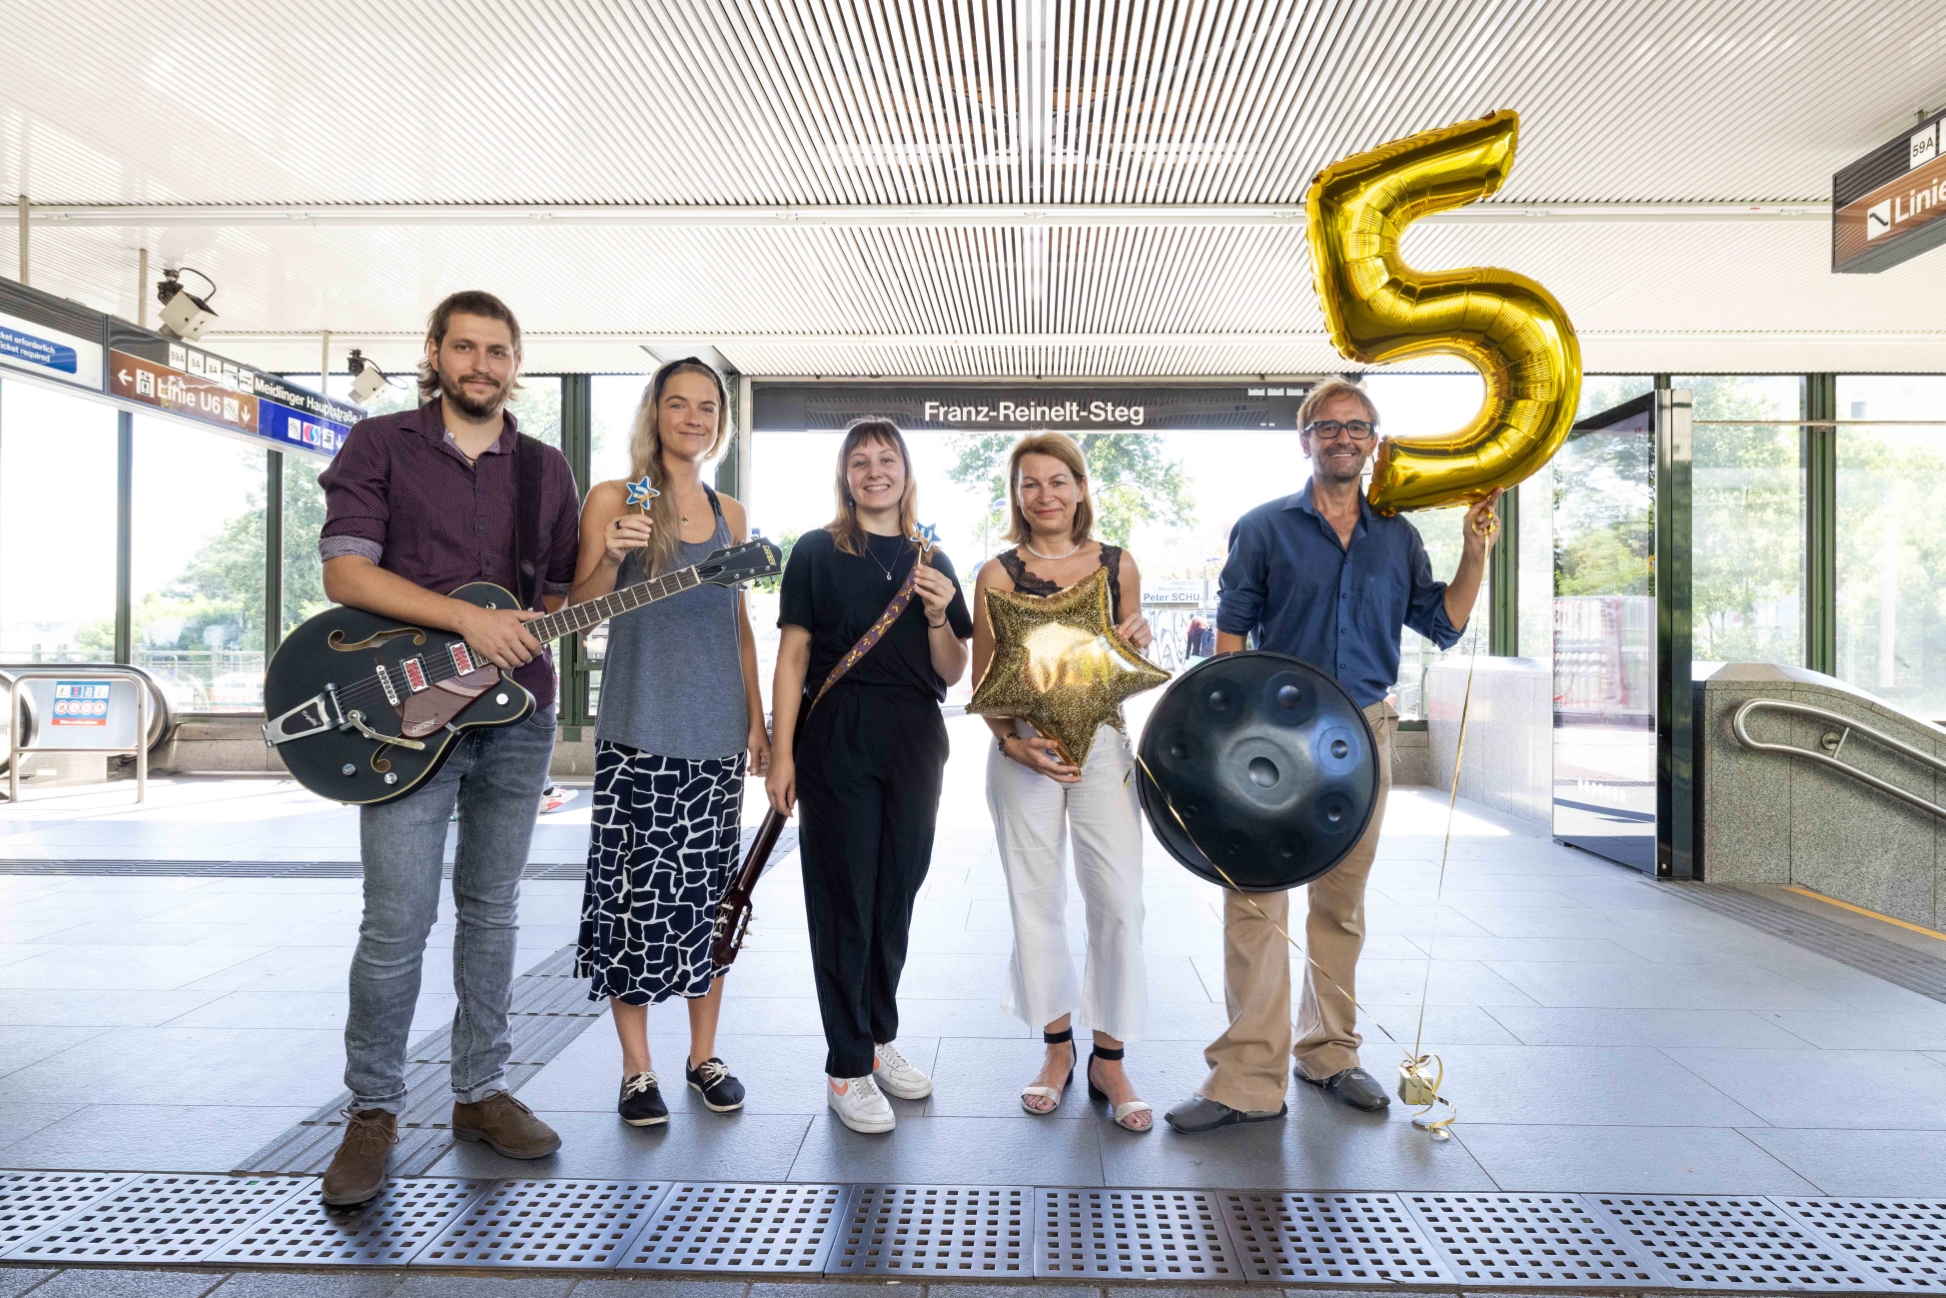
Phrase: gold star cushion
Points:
(1059, 666)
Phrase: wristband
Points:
(936, 625)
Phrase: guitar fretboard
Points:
(579, 617)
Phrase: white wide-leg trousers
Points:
(1034, 819)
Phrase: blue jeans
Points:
(496, 775)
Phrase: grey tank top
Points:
(672, 679)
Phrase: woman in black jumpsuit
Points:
(867, 761)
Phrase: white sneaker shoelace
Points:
(890, 1059)
(711, 1071)
(638, 1084)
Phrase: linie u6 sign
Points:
(1890, 205)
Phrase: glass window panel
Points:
(197, 579)
(1746, 519)
(612, 403)
(1892, 540)
(57, 497)
(303, 520)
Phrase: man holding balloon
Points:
(1320, 575)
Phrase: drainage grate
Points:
(935, 1230)
(388, 1231)
(1338, 1238)
(740, 1228)
(1133, 1235)
(30, 1202)
(1900, 1241)
(546, 1224)
(157, 1219)
(1730, 1243)
(1867, 952)
(1522, 1239)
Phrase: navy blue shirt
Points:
(1339, 608)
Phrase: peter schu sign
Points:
(1069, 408)
(1890, 205)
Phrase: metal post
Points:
(124, 537)
(24, 274)
(273, 553)
(1819, 451)
(141, 740)
(746, 413)
(577, 444)
(1675, 818)
(142, 288)
(324, 363)
(1503, 574)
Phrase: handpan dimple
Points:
(1262, 765)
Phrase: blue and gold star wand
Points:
(925, 536)
(640, 493)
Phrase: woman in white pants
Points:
(1040, 803)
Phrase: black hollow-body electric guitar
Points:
(364, 709)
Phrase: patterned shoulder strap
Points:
(875, 632)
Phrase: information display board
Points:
(1003, 408)
(49, 337)
(1890, 205)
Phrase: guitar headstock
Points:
(755, 558)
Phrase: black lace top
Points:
(1028, 584)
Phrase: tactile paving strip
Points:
(1900, 1241)
(158, 1219)
(30, 1202)
(1293, 1237)
(1133, 1235)
(388, 1231)
(1730, 1242)
(1530, 1239)
(740, 1228)
(936, 1230)
(582, 1224)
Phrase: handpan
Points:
(1261, 764)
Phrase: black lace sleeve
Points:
(1111, 559)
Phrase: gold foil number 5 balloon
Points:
(1379, 309)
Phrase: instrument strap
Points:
(873, 634)
(530, 469)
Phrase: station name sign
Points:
(1070, 408)
(1890, 205)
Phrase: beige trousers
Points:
(1250, 1063)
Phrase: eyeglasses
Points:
(1326, 430)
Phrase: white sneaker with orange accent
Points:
(897, 1074)
(859, 1104)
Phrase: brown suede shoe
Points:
(506, 1125)
(357, 1170)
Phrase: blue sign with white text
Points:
(39, 351)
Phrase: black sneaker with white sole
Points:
(641, 1103)
(711, 1079)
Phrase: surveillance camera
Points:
(367, 379)
(184, 315)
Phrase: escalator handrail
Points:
(1847, 725)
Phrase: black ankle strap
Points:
(1103, 1052)
(1057, 1038)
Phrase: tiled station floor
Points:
(1598, 1032)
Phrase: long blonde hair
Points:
(645, 457)
(845, 529)
(1063, 448)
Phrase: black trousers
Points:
(870, 762)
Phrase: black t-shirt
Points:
(837, 596)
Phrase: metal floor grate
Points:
(1728, 1242)
(157, 1219)
(1301, 1238)
(1099, 1234)
(30, 1202)
(578, 1224)
(1902, 1242)
(936, 1230)
(1530, 1239)
(740, 1229)
(1880, 957)
(388, 1231)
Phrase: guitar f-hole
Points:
(337, 638)
(380, 762)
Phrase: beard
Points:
(469, 406)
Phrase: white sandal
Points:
(1049, 1092)
(1121, 1112)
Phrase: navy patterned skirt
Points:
(662, 851)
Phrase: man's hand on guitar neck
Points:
(498, 633)
(357, 582)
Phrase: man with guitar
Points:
(419, 503)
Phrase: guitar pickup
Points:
(415, 673)
(462, 660)
(385, 681)
(311, 717)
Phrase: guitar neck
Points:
(579, 617)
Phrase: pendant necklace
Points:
(1051, 557)
(874, 558)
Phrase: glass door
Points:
(1605, 635)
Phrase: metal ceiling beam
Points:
(691, 338)
(165, 215)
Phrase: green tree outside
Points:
(1133, 478)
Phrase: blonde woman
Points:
(1040, 803)
(681, 713)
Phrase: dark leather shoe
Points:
(1353, 1086)
(507, 1126)
(357, 1171)
(1199, 1113)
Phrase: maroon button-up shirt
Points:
(401, 494)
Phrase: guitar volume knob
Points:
(348, 769)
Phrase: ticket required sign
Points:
(1890, 205)
(49, 337)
